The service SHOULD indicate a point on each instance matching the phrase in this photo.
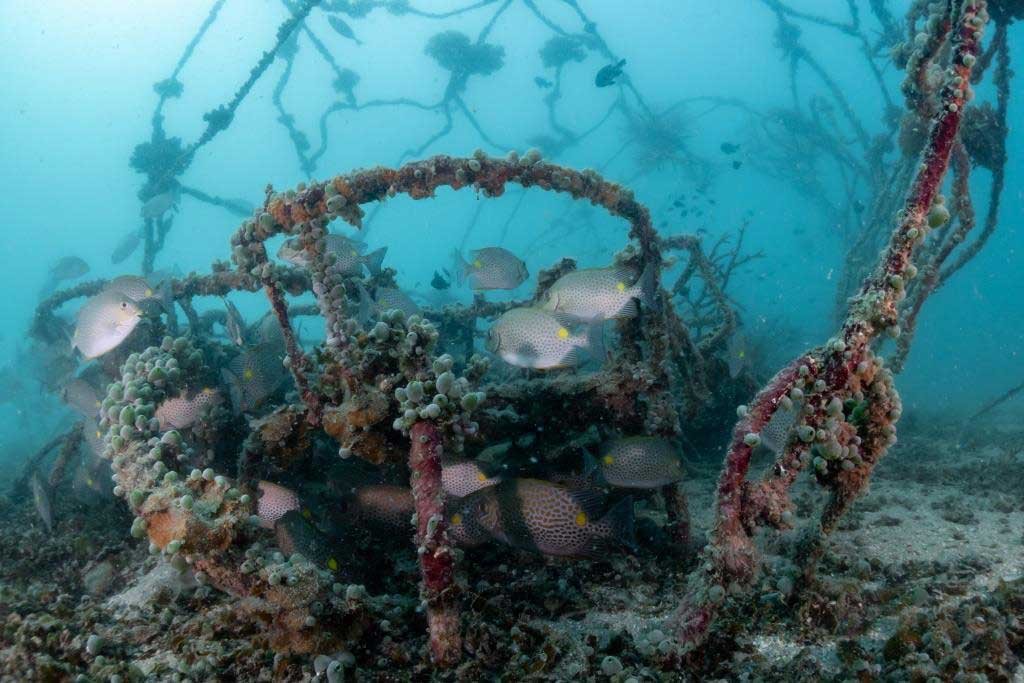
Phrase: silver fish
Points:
(601, 292)
(68, 268)
(41, 499)
(490, 268)
(82, 397)
(234, 324)
(349, 255)
(126, 247)
(158, 205)
(736, 354)
(104, 322)
(542, 340)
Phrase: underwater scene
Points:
(512, 340)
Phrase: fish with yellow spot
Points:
(254, 374)
(296, 534)
(460, 478)
(601, 292)
(82, 397)
(737, 354)
(348, 253)
(544, 340)
(537, 515)
(140, 290)
(490, 268)
(638, 462)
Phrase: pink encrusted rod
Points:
(730, 559)
(437, 563)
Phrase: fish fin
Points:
(595, 339)
(590, 466)
(648, 285)
(590, 499)
(234, 389)
(628, 310)
(620, 522)
(165, 294)
(374, 259)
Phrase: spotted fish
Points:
(737, 355)
(601, 292)
(181, 412)
(253, 375)
(82, 397)
(386, 505)
(775, 434)
(639, 462)
(234, 324)
(554, 520)
(490, 268)
(543, 340)
(274, 502)
(460, 478)
(104, 322)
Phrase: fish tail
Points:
(365, 306)
(595, 339)
(622, 63)
(648, 285)
(460, 266)
(234, 389)
(620, 523)
(374, 259)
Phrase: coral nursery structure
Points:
(249, 501)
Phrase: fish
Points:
(537, 515)
(439, 282)
(349, 253)
(82, 397)
(736, 164)
(638, 462)
(93, 436)
(544, 340)
(91, 482)
(181, 412)
(234, 324)
(68, 268)
(342, 28)
(608, 73)
(157, 205)
(140, 290)
(296, 534)
(41, 499)
(775, 434)
(126, 246)
(253, 375)
(274, 502)
(601, 292)
(459, 478)
(729, 148)
(736, 356)
(384, 299)
(385, 504)
(490, 268)
(463, 517)
(542, 82)
(104, 322)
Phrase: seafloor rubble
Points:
(922, 582)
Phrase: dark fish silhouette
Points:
(439, 282)
(343, 29)
(607, 75)
(542, 82)
(729, 148)
(736, 164)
